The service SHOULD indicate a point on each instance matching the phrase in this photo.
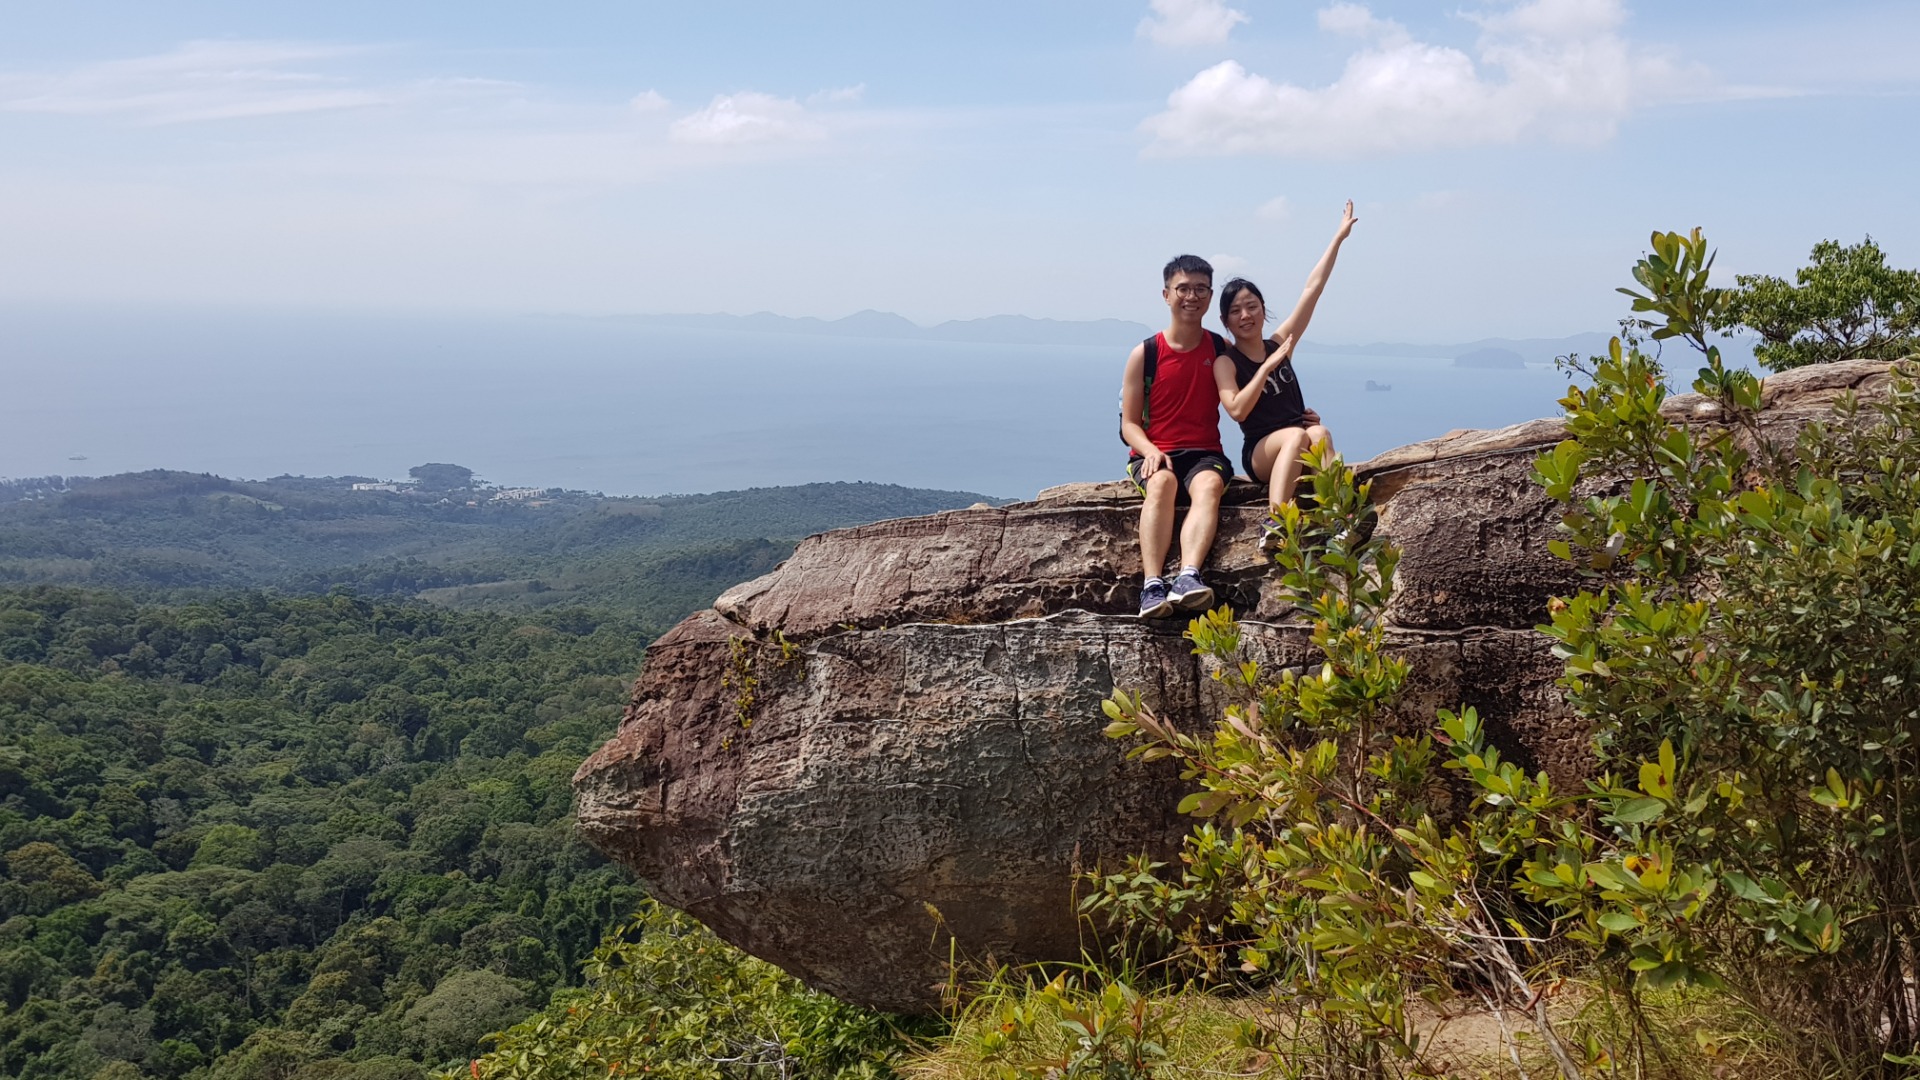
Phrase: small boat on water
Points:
(1377, 386)
(76, 457)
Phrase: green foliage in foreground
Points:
(1097, 1024)
(1334, 869)
(1846, 304)
(1748, 661)
(665, 998)
(1087, 1021)
(259, 832)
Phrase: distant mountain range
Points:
(1517, 352)
(1529, 350)
(992, 330)
(1119, 333)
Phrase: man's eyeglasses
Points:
(1193, 290)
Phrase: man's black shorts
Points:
(1186, 465)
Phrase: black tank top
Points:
(1280, 403)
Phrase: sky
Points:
(1507, 160)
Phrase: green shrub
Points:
(1749, 663)
(1089, 1021)
(1322, 870)
(667, 999)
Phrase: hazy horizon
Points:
(400, 315)
(629, 409)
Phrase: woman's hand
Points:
(1347, 222)
(1279, 355)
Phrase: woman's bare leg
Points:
(1318, 435)
(1278, 455)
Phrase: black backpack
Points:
(1152, 364)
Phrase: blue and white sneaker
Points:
(1153, 600)
(1190, 593)
(1273, 538)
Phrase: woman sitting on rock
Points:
(1264, 395)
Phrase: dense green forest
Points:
(284, 766)
(323, 823)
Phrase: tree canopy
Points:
(258, 830)
(440, 477)
(1846, 304)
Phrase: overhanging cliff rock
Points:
(893, 741)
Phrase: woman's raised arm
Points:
(1295, 325)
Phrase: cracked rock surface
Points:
(893, 740)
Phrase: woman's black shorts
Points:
(1251, 441)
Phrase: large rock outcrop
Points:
(892, 742)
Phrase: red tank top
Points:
(1183, 405)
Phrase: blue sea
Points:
(627, 409)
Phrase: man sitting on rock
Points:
(1170, 420)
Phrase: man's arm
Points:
(1240, 400)
(1133, 409)
(1295, 325)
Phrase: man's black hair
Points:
(1191, 264)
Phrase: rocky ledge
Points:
(891, 743)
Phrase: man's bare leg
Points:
(1203, 516)
(1156, 522)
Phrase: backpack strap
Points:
(1150, 350)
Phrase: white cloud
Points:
(1354, 20)
(844, 95)
(749, 117)
(1229, 265)
(1275, 209)
(200, 80)
(1556, 18)
(1179, 23)
(648, 101)
(1556, 69)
